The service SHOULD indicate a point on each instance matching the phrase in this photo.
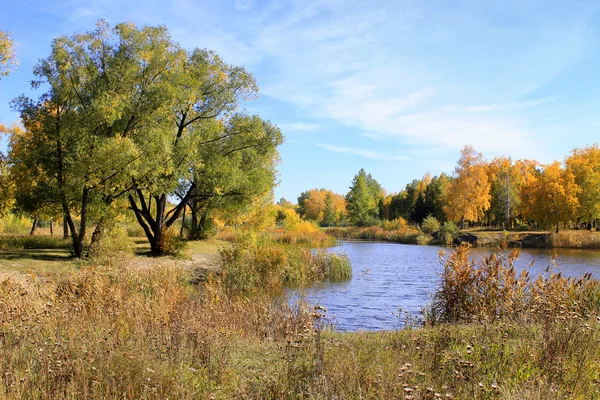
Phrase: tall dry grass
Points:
(106, 333)
(491, 289)
(263, 263)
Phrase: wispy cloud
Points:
(361, 152)
(298, 127)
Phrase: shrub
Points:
(262, 263)
(172, 244)
(15, 225)
(114, 240)
(399, 223)
(448, 232)
(430, 225)
(423, 239)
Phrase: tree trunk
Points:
(557, 226)
(201, 225)
(462, 223)
(51, 228)
(182, 222)
(154, 226)
(34, 226)
(65, 228)
(97, 235)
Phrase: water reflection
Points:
(387, 276)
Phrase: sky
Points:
(395, 87)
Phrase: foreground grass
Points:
(117, 333)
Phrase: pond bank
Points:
(567, 239)
(533, 240)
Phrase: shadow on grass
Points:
(36, 254)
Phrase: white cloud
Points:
(297, 127)
(360, 152)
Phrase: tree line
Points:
(498, 193)
(129, 120)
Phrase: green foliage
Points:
(430, 225)
(261, 263)
(329, 215)
(15, 225)
(362, 201)
(127, 112)
(423, 239)
(448, 233)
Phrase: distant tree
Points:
(420, 210)
(529, 173)
(283, 202)
(401, 205)
(362, 199)
(505, 180)
(301, 208)
(555, 196)
(434, 196)
(468, 196)
(314, 203)
(584, 163)
(329, 214)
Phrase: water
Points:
(387, 276)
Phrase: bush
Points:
(262, 263)
(447, 233)
(15, 225)
(114, 240)
(172, 244)
(430, 225)
(399, 223)
(424, 239)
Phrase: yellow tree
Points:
(529, 175)
(585, 166)
(314, 205)
(8, 59)
(468, 196)
(555, 196)
(317, 207)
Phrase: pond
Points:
(387, 276)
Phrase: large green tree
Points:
(97, 119)
(127, 112)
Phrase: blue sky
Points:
(394, 87)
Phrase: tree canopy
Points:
(128, 112)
